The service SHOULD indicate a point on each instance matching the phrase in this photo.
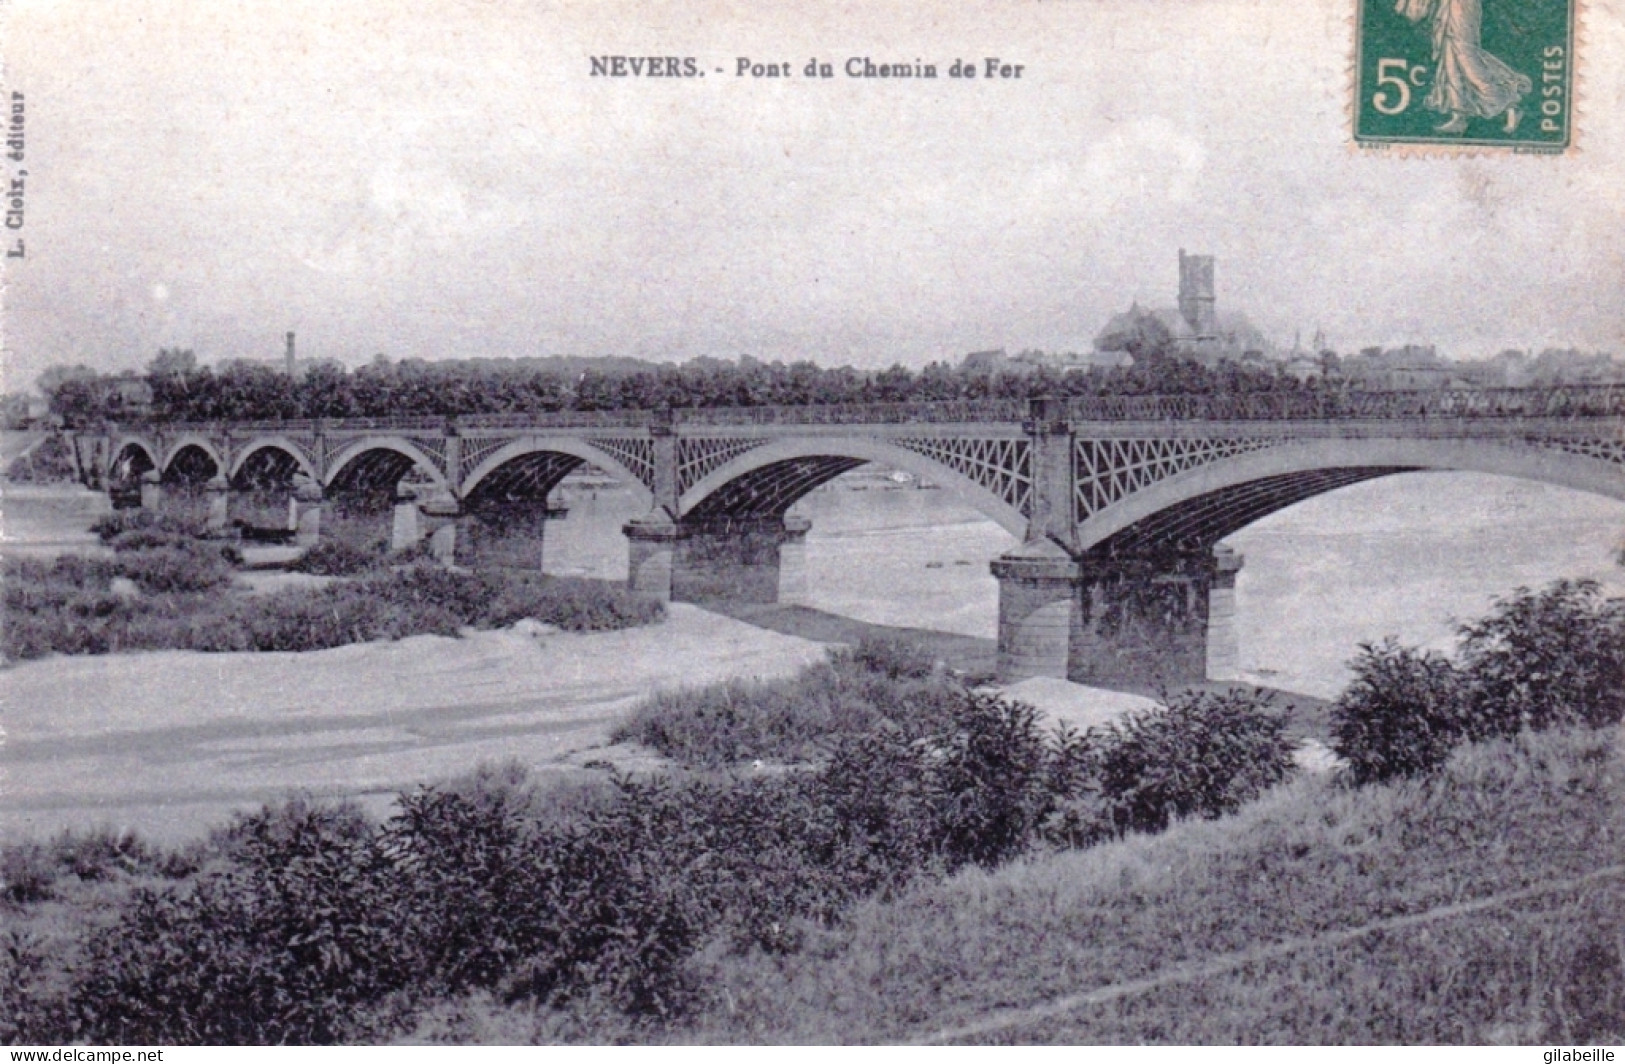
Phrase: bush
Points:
(282, 943)
(1546, 659)
(335, 557)
(110, 527)
(304, 923)
(186, 569)
(51, 462)
(28, 872)
(1203, 754)
(572, 604)
(892, 658)
(69, 607)
(795, 719)
(1402, 713)
(992, 783)
(1541, 660)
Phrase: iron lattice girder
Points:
(698, 456)
(1105, 471)
(375, 469)
(770, 490)
(266, 467)
(529, 477)
(1200, 522)
(1002, 465)
(636, 454)
(190, 464)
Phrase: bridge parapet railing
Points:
(1597, 400)
(560, 419)
(937, 412)
(1604, 400)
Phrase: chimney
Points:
(289, 356)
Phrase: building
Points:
(1193, 327)
(1197, 302)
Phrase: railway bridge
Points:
(1119, 502)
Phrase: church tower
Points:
(1196, 295)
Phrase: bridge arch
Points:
(544, 472)
(133, 455)
(191, 462)
(771, 478)
(1211, 501)
(381, 462)
(276, 443)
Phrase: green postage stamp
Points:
(1484, 73)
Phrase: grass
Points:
(917, 879)
(309, 923)
(795, 719)
(1312, 858)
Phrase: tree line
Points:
(175, 388)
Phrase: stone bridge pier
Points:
(740, 553)
(507, 534)
(747, 559)
(1142, 621)
(1141, 612)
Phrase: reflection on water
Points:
(1408, 556)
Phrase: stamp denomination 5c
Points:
(1482, 73)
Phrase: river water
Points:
(1410, 556)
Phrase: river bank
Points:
(169, 743)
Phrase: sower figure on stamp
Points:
(1468, 82)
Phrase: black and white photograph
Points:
(1040, 522)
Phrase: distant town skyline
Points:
(454, 182)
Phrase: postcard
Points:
(1053, 521)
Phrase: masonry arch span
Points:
(132, 458)
(190, 450)
(1203, 505)
(379, 462)
(191, 462)
(767, 480)
(531, 467)
(270, 451)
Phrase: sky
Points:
(448, 179)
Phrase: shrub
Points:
(1401, 714)
(51, 462)
(1204, 754)
(792, 719)
(1544, 659)
(281, 943)
(103, 853)
(28, 872)
(893, 658)
(111, 526)
(462, 843)
(299, 619)
(69, 607)
(993, 787)
(31, 1008)
(572, 604)
(336, 557)
(178, 569)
